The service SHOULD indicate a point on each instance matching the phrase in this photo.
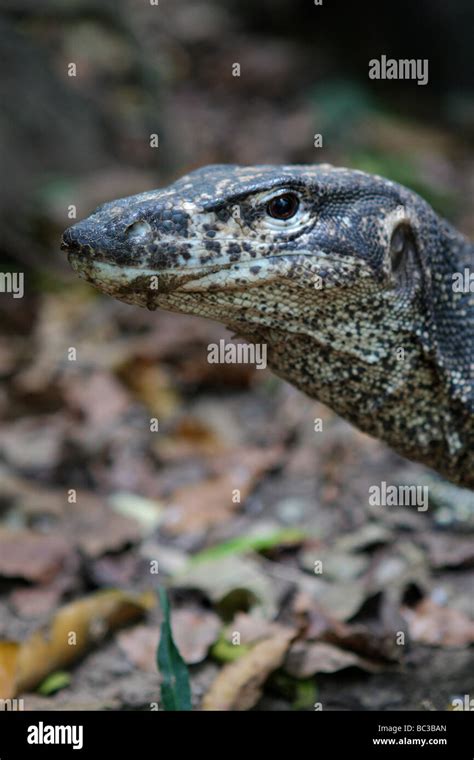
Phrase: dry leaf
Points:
(152, 385)
(339, 600)
(72, 630)
(146, 512)
(449, 550)
(190, 437)
(306, 658)
(198, 506)
(239, 684)
(220, 578)
(194, 631)
(252, 628)
(101, 401)
(317, 625)
(429, 623)
(19, 443)
(96, 528)
(33, 556)
(89, 523)
(39, 600)
(139, 644)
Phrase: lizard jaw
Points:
(149, 283)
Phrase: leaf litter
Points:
(265, 531)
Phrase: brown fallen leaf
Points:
(33, 602)
(139, 645)
(72, 630)
(97, 528)
(19, 443)
(90, 523)
(33, 556)
(429, 623)
(449, 550)
(101, 401)
(184, 343)
(252, 628)
(317, 625)
(196, 369)
(8, 667)
(306, 658)
(239, 684)
(152, 385)
(32, 498)
(190, 437)
(194, 631)
(43, 598)
(198, 506)
(340, 600)
(201, 505)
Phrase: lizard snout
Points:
(86, 240)
(70, 240)
(78, 239)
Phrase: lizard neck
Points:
(401, 399)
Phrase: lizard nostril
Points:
(138, 231)
(76, 239)
(69, 240)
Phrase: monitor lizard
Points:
(352, 281)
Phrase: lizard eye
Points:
(401, 245)
(283, 206)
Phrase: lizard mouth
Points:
(113, 278)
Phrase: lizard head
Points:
(326, 265)
(314, 249)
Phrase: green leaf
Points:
(302, 693)
(224, 651)
(175, 687)
(305, 696)
(251, 543)
(54, 682)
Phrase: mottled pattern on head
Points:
(352, 292)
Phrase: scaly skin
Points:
(353, 294)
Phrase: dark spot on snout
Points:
(70, 240)
(78, 239)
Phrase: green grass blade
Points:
(175, 686)
(251, 543)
